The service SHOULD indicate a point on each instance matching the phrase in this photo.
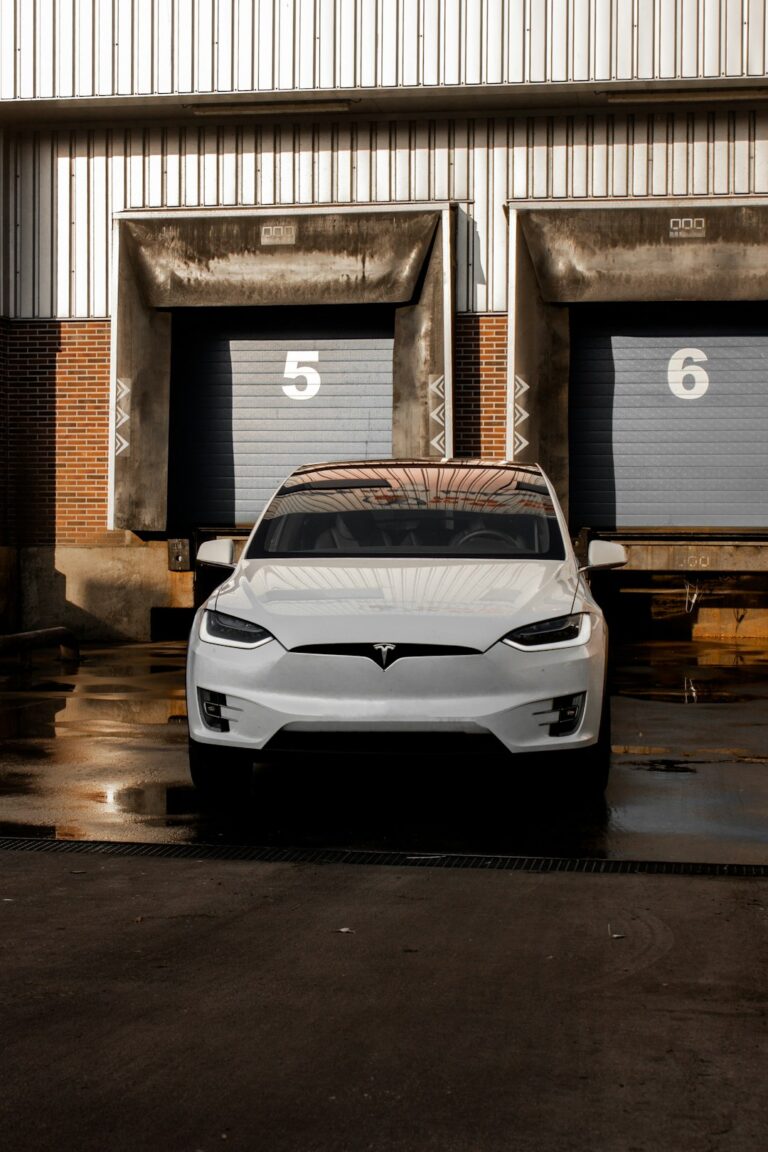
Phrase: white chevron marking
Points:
(438, 415)
(120, 444)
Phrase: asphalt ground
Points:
(187, 1006)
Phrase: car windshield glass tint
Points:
(417, 511)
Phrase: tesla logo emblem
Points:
(384, 651)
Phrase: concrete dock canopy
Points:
(399, 257)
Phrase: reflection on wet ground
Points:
(99, 752)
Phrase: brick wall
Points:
(480, 385)
(57, 376)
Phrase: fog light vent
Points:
(568, 710)
(211, 704)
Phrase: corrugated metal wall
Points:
(65, 48)
(64, 186)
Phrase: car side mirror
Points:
(219, 552)
(605, 554)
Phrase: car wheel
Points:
(220, 773)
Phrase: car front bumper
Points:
(504, 692)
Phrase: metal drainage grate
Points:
(392, 859)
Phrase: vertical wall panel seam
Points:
(34, 271)
(13, 247)
(87, 228)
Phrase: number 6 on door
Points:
(298, 366)
(679, 371)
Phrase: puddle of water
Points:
(701, 654)
(42, 686)
(28, 831)
(666, 765)
(14, 783)
(689, 693)
(156, 799)
(29, 749)
(686, 682)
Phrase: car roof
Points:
(306, 471)
(485, 476)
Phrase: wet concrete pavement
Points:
(99, 752)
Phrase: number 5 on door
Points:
(298, 367)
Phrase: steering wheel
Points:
(489, 534)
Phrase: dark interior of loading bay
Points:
(642, 459)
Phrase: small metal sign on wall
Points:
(278, 234)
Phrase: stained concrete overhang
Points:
(676, 252)
(246, 261)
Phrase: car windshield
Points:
(487, 512)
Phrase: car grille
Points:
(386, 654)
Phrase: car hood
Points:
(471, 603)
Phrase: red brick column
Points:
(480, 385)
(57, 376)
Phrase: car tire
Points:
(595, 765)
(220, 773)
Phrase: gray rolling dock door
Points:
(669, 416)
(255, 392)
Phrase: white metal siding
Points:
(67, 48)
(65, 186)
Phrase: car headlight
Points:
(219, 628)
(560, 632)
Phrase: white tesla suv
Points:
(407, 597)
